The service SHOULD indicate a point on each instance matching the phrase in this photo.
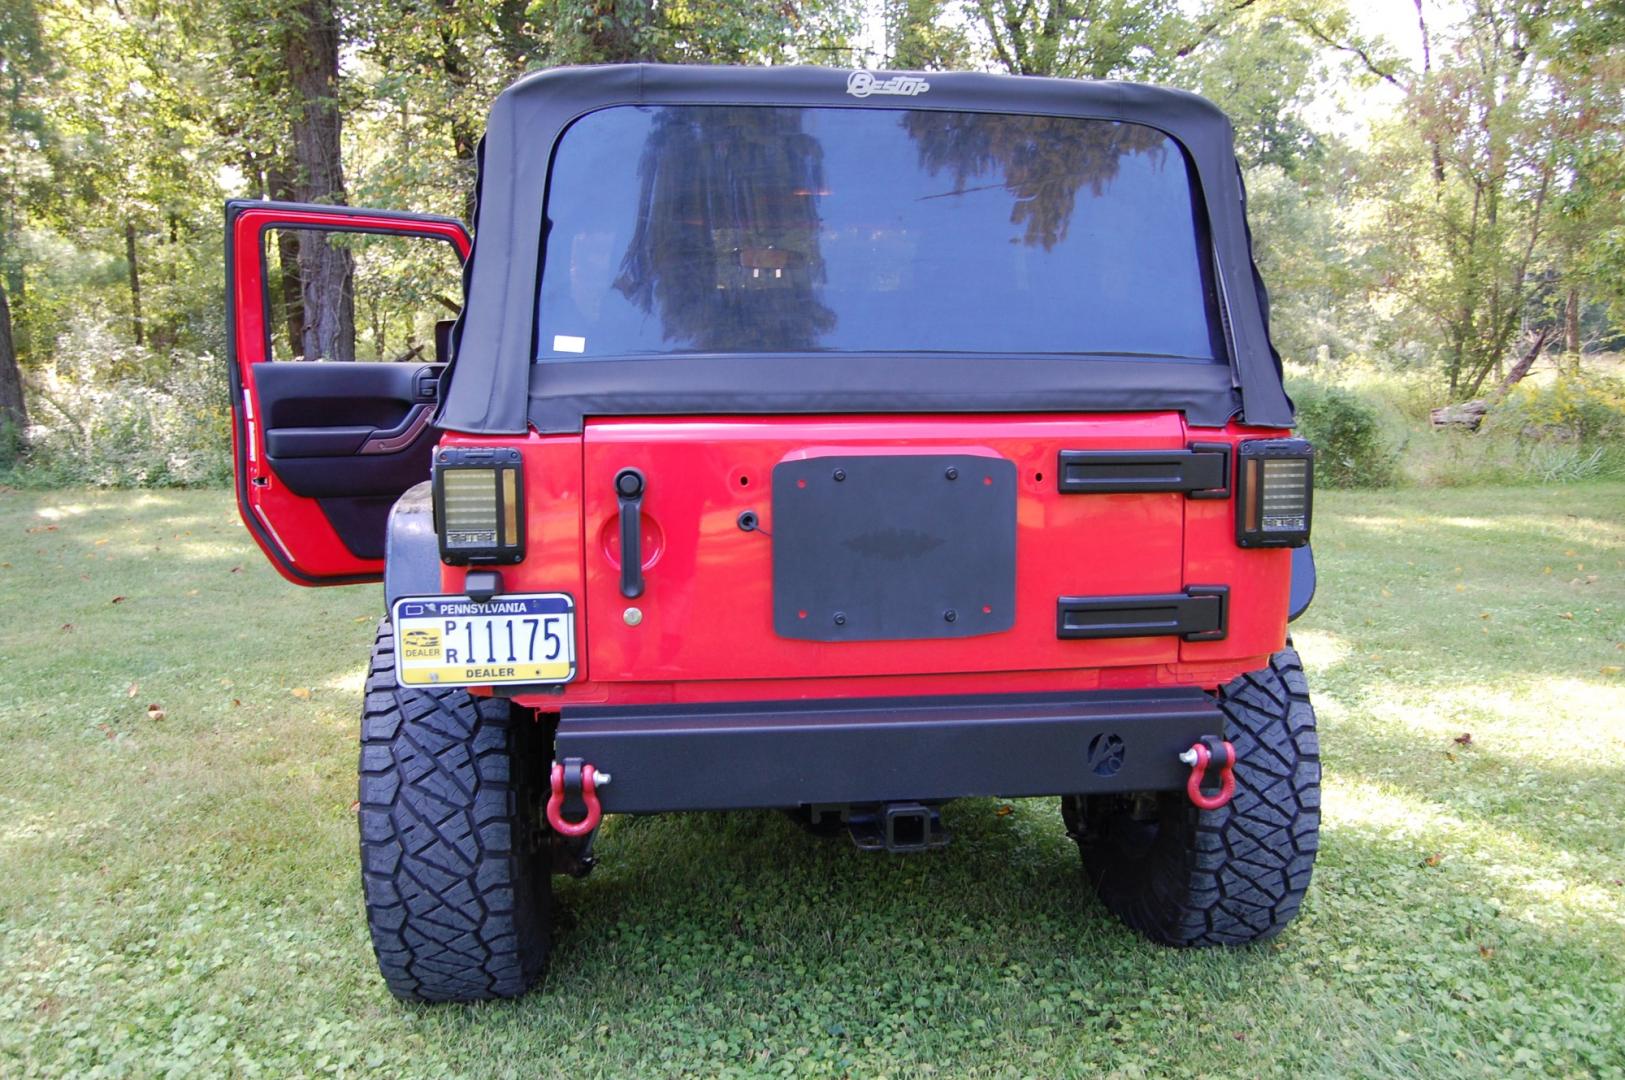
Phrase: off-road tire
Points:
(453, 869)
(1184, 876)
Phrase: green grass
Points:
(179, 896)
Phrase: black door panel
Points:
(294, 394)
(350, 435)
(362, 522)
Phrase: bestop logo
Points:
(860, 84)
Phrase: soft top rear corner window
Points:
(779, 230)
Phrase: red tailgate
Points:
(706, 609)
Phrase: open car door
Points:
(338, 322)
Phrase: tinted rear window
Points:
(753, 229)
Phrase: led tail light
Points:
(1274, 492)
(479, 505)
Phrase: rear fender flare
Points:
(411, 549)
(1303, 582)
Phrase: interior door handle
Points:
(402, 435)
(629, 493)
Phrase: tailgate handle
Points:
(629, 493)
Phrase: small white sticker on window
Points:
(569, 343)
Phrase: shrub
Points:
(115, 416)
(1351, 449)
(1580, 409)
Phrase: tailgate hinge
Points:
(1201, 471)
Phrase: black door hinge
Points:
(1201, 471)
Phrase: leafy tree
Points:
(1096, 39)
(1507, 137)
(24, 66)
(920, 36)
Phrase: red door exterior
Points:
(315, 539)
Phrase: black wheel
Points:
(1184, 876)
(453, 859)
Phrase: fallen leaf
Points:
(1483, 614)
(1385, 592)
(236, 703)
(1464, 739)
(102, 541)
(67, 626)
(107, 730)
(1485, 951)
(191, 592)
(1566, 615)
(1460, 587)
(135, 688)
(1547, 570)
(236, 569)
(1004, 811)
(301, 693)
(1609, 669)
(116, 600)
(1448, 756)
(1434, 860)
(155, 712)
(355, 807)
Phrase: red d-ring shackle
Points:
(589, 796)
(1198, 758)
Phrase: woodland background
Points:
(1438, 204)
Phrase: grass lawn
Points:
(179, 892)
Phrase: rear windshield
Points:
(755, 229)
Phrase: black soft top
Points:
(496, 389)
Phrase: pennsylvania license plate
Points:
(452, 641)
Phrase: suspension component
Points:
(1210, 750)
(577, 781)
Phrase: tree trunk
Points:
(514, 34)
(326, 271)
(136, 330)
(1521, 368)
(455, 65)
(287, 255)
(168, 332)
(13, 409)
(1571, 322)
(609, 30)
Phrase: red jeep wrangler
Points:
(830, 441)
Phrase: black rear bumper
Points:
(734, 756)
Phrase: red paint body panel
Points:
(1259, 578)
(291, 529)
(707, 632)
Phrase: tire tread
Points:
(457, 911)
(1237, 874)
